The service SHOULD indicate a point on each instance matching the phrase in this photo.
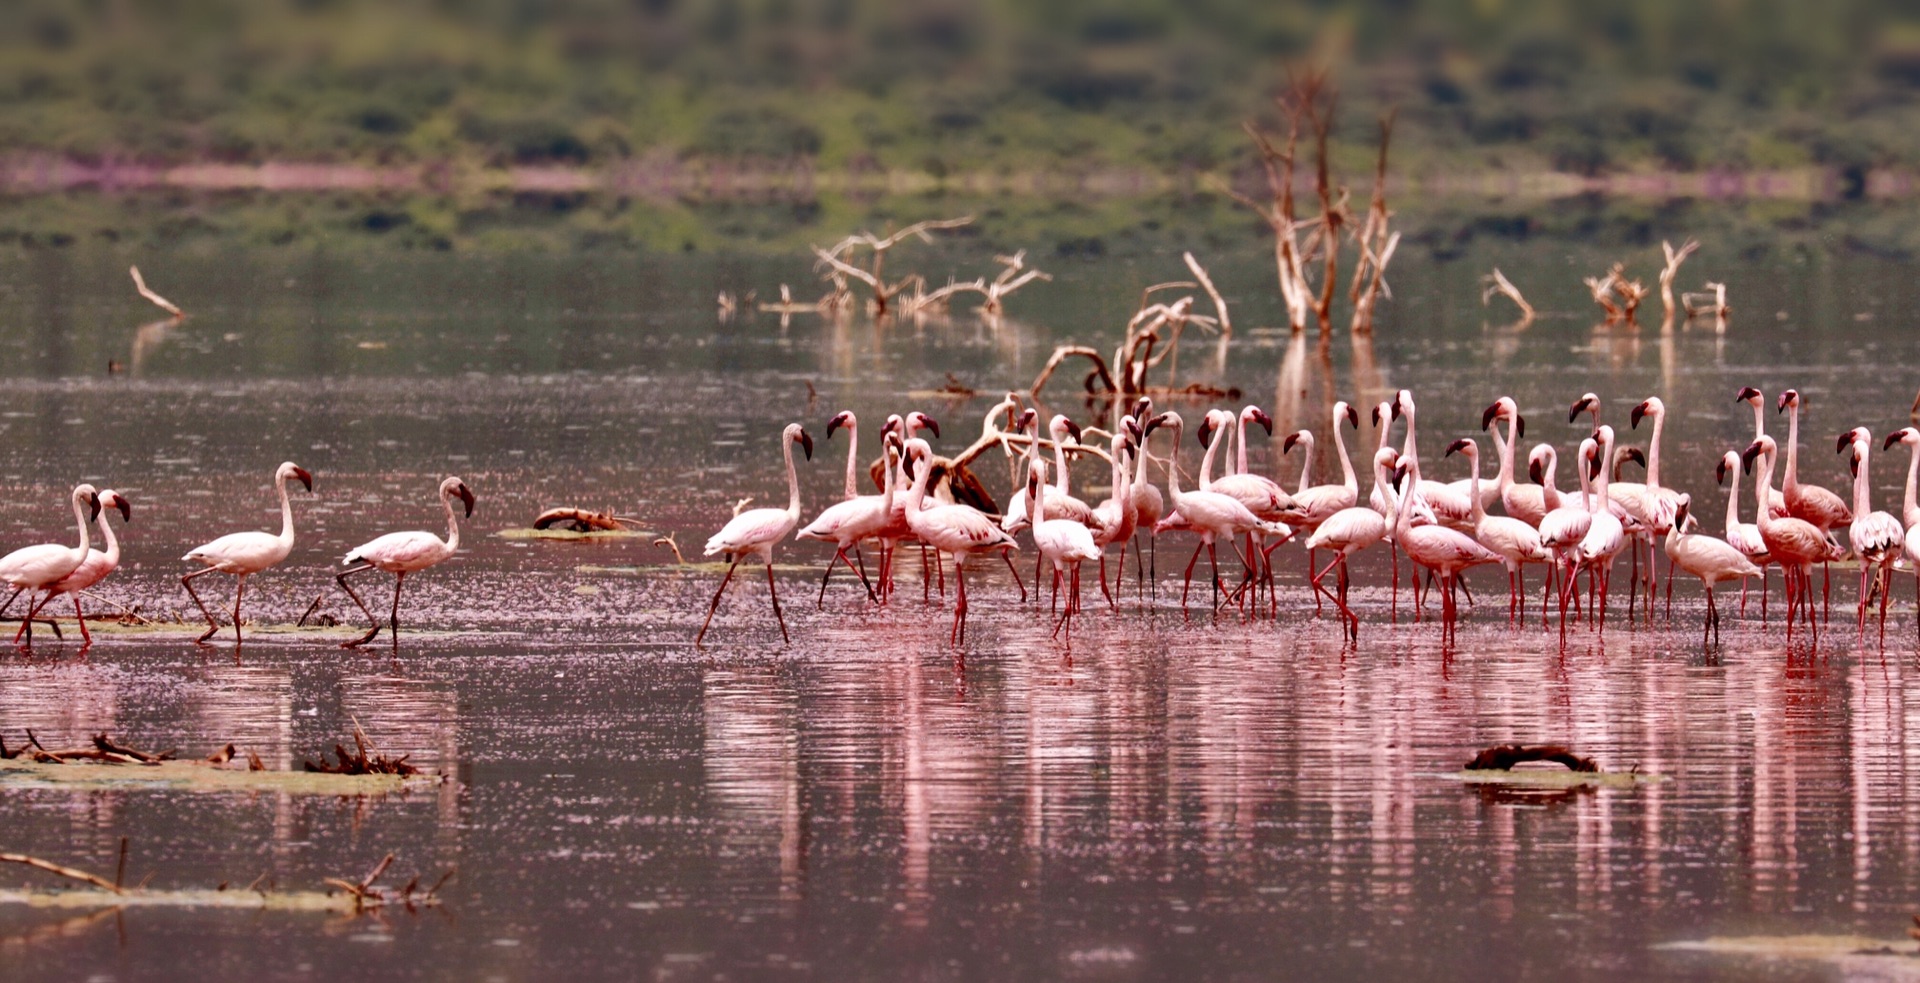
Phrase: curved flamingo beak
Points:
(1519, 426)
(1840, 443)
(1536, 471)
(120, 502)
(1152, 425)
(1593, 467)
(1747, 393)
(1028, 417)
(466, 496)
(305, 476)
(1747, 456)
(1376, 416)
(1141, 406)
(927, 422)
(1892, 439)
(1204, 432)
(1853, 464)
(93, 506)
(1720, 472)
(1639, 410)
(1260, 416)
(1286, 446)
(1459, 445)
(892, 424)
(1396, 409)
(1399, 475)
(806, 444)
(1787, 399)
(1585, 403)
(839, 420)
(1487, 416)
(1072, 428)
(1637, 456)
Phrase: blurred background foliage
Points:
(939, 89)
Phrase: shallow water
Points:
(1165, 799)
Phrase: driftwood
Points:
(365, 760)
(1498, 284)
(71, 873)
(582, 520)
(103, 749)
(838, 261)
(1152, 336)
(1713, 301)
(367, 895)
(1502, 757)
(669, 543)
(1674, 258)
(140, 284)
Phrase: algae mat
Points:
(194, 776)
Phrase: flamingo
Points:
(1743, 536)
(1627, 500)
(1208, 513)
(38, 567)
(1515, 540)
(244, 554)
(1117, 515)
(1656, 505)
(1148, 506)
(1813, 503)
(1794, 543)
(1261, 495)
(1910, 509)
(949, 528)
(1449, 504)
(97, 565)
(1913, 557)
(1315, 504)
(846, 523)
(1752, 397)
(1607, 536)
(402, 553)
(1351, 530)
(1524, 502)
(1563, 528)
(755, 531)
(1062, 542)
(1443, 549)
(1382, 499)
(1876, 537)
(1712, 560)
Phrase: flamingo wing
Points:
(37, 566)
(751, 531)
(400, 551)
(240, 552)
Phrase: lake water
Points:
(1169, 799)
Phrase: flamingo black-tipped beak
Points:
(1376, 416)
(1286, 446)
(1786, 399)
(1152, 425)
(1536, 472)
(1578, 408)
(839, 420)
(1840, 443)
(1853, 466)
(1396, 409)
(1720, 472)
(93, 507)
(1353, 418)
(1747, 456)
(1399, 474)
(892, 424)
(1260, 416)
(1459, 445)
(1486, 416)
(1141, 406)
(1028, 417)
(1747, 393)
(1637, 456)
(806, 444)
(1593, 467)
(930, 423)
(1073, 430)
(120, 502)
(1639, 410)
(1204, 432)
(305, 476)
(1892, 439)
(466, 496)
(1519, 426)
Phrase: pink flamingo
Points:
(1442, 549)
(1794, 543)
(38, 567)
(1063, 542)
(1712, 560)
(755, 531)
(1448, 503)
(1515, 541)
(949, 528)
(1208, 513)
(1753, 398)
(1607, 535)
(1813, 503)
(1148, 506)
(846, 523)
(402, 553)
(1351, 530)
(1657, 503)
(1876, 537)
(244, 554)
(1910, 507)
(1116, 513)
(97, 565)
(1524, 502)
(1743, 536)
(1314, 504)
(1563, 528)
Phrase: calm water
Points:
(1169, 799)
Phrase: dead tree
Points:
(1377, 243)
(1152, 336)
(1497, 283)
(842, 257)
(1674, 258)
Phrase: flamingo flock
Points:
(49, 570)
(1443, 528)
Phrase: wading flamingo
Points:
(1442, 549)
(1449, 504)
(1657, 503)
(755, 531)
(1813, 503)
(1743, 536)
(1062, 542)
(1876, 537)
(32, 568)
(244, 554)
(1607, 536)
(97, 565)
(953, 529)
(1516, 541)
(1909, 507)
(1712, 560)
(1777, 503)
(1795, 544)
(846, 523)
(1116, 512)
(402, 553)
(1148, 505)
(1351, 530)
(1524, 502)
(1208, 513)
(1563, 528)
(1315, 504)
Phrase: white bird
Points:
(1876, 537)
(1351, 530)
(1562, 529)
(1524, 502)
(1515, 540)
(950, 528)
(1148, 505)
(1813, 503)
(1712, 560)
(1442, 549)
(97, 565)
(1208, 513)
(244, 554)
(846, 523)
(1448, 503)
(1117, 515)
(1061, 542)
(1794, 543)
(1656, 505)
(1743, 536)
(1314, 504)
(38, 567)
(1260, 494)
(402, 553)
(1777, 503)
(1607, 536)
(1910, 507)
(755, 531)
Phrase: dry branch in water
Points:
(367, 895)
(1502, 757)
(1152, 335)
(1497, 283)
(582, 520)
(70, 873)
(668, 542)
(163, 303)
(840, 260)
(1674, 258)
(103, 750)
(365, 760)
(1713, 302)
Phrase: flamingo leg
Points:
(342, 581)
(772, 591)
(1188, 584)
(32, 610)
(23, 622)
(213, 624)
(1111, 604)
(716, 600)
(86, 639)
(1347, 619)
(958, 634)
(1393, 551)
(1008, 557)
(1213, 557)
(393, 631)
(861, 569)
(239, 591)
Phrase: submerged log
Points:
(581, 520)
(1502, 757)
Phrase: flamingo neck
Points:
(1861, 492)
(1037, 496)
(113, 543)
(1653, 450)
(1759, 420)
(1504, 449)
(1306, 466)
(1763, 490)
(1793, 446)
(80, 519)
(1240, 446)
(1347, 478)
(1913, 475)
(1581, 469)
(286, 512)
(853, 455)
(1173, 468)
(453, 523)
(1140, 466)
(1408, 450)
(793, 479)
(917, 495)
(1551, 472)
(1473, 488)
(1733, 501)
(886, 487)
(1060, 463)
(1206, 460)
(1600, 484)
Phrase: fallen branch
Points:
(68, 872)
(1674, 258)
(1065, 352)
(366, 760)
(1498, 284)
(582, 520)
(163, 303)
(1206, 283)
(668, 542)
(366, 895)
(1502, 757)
